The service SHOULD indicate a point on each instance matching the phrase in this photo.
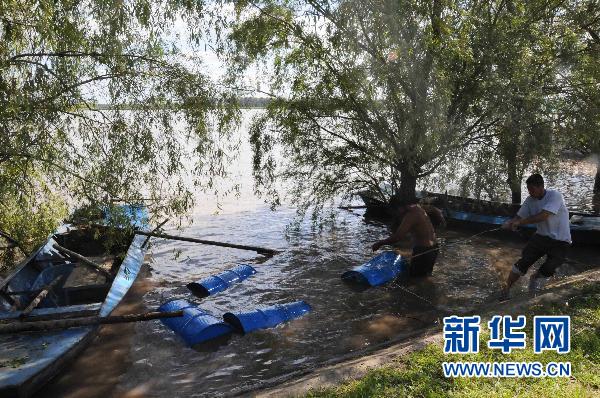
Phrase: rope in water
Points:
(452, 244)
(444, 246)
(457, 241)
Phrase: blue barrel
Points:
(379, 270)
(265, 318)
(195, 326)
(217, 283)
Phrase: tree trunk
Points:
(406, 192)
(515, 195)
(514, 180)
(408, 185)
(597, 179)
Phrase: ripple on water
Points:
(466, 275)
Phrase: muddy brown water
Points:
(147, 359)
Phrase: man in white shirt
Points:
(546, 208)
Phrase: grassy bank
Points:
(420, 374)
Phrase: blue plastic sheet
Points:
(136, 215)
(265, 318)
(195, 326)
(217, 283)
(379, 270)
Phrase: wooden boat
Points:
(29, 360)
(481, 215)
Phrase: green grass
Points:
(420, 374)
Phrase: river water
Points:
(153, 362)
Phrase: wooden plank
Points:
(41, 295)
(42, 326)
(4, 283)
(39, 314)
(19, 267)
(259, 250)
(83, 260)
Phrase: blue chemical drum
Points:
(195, 326)
(379, 270)
(265, 318)
(218, 283)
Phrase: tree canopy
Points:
(365, 92)
(57, 60)
(359, 94)
(582, 88)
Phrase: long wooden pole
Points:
(83, 260)
(154, 230)
(40, 296)
(259, 250)
(352, 207)
(42, 326)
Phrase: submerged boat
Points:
(29, 360)
(481, 215)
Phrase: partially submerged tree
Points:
(525, 45)
(57, 59)
(388, 91)
(581, 89)
(365, 92)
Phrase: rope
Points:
(434, 306)
(456, 242)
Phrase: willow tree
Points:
(364, 92)
(581, 88)
(537, 47)
(527, 61)
(58, 59)
(528, 112)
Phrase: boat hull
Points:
(30, 360)
(481, 215)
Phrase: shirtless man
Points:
(417, 223)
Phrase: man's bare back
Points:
(417, 224)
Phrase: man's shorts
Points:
(423, 259)
(536, 248)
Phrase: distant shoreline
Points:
(244, 103)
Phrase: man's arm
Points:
(516, 221)
(522, 213)
(540, 217)
(400, 233)
(510, 224)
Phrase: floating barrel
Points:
(195, 326)
(218, 283)
(379, 270)
(265, 318)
